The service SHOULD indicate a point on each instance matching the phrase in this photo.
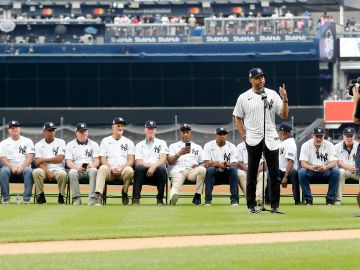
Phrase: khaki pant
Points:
(242, 183)
(195, 175)
(104, 174)
(39, 175)
(343, 176)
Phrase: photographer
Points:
(354, 91)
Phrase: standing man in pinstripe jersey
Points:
(249, 119)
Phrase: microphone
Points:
(263, 95)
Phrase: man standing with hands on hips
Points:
(249, 120)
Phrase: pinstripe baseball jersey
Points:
(250, 107)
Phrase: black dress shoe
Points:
(124, 198)
(253, 210)
(61, 199)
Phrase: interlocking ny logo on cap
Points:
(319, 130)
(82, 125)
(13, 122)
(259, 70)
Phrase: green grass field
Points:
(323, 255)
(20, 223)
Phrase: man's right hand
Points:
(50, 176)
(284, 182)
(13, 170)
(116, 170)
(80, 169)
(184, 151)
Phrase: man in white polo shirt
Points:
(242, 156)
(345, 153)
(249, 119)
(117, 158)
(150, 159)
(288, 161)
(16, 154)
(49, 160)
(184, 159)
(318, 161)
(221, 166)
(82, 158)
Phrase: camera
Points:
(84, 165)
(188, 144)
(353, 83)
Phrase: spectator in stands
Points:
(345, 152)
(192, 21)
(288, 161)
(318, 161)
(242, 156)
(16, 155)
(49, 160)
(117, 159)
(82, 158)
(150, 163)
(185, 159)
(221, 163)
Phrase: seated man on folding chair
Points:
(50, 163)
(117, 158)
(184, 159)
(150, 159)
(16, 153)
(82, 158)
(221, 163)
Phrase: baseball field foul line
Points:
(171, 242)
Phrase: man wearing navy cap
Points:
(150, 159)
(16, 154)
(318, 161)
(82, 158)
(50, 163)
(117, 158)
(345, 153)
(288, 161)
(221, 166)
(249, 118)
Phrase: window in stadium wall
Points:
(150, 84)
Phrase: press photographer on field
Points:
(354, 91)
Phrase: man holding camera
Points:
(184, 159)
(82, 158)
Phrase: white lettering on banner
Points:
(122, 40)
(217, 39)
(244, 39)
(145, 40)
(295, 38)
(269, 38)
(169, 39)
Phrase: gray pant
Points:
(74, 177)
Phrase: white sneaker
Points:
(92, 201)
(174, 199)
(337, 202)
(6, 202)
(77, 201)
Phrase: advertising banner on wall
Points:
(349, 47)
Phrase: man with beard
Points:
(318, 161)
(249, 119)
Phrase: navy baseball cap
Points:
(349, 131)
(150, 124)
(221, 130)
(81, 126)
(118, 120)
(49, 126)
(255, 72)
(284, 126)
(13, 123)
(184, 127)
(318, 131)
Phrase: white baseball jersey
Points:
(250, 107)
(116, 151)
(287, 150)
(150, 153)
(15, 151)
(82, 153)
(188, 160)
(344, 155)
(323, 156)
(49, 150)
(242, 154)
(213, 152)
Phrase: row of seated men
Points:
(219, 161)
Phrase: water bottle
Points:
(18, 199)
